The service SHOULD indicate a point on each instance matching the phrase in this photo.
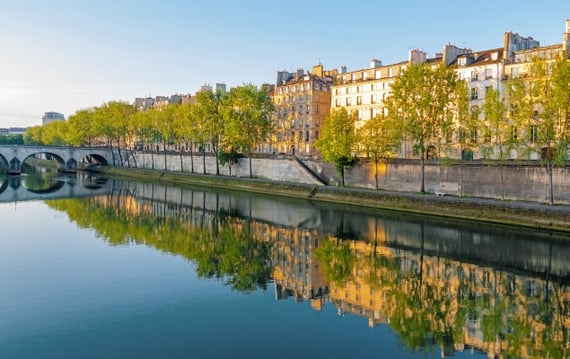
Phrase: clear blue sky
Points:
(64, 55)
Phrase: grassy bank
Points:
(530, 215)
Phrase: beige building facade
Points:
(302, 101)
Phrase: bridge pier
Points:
(70, 166)
(14, 166)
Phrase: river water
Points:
(103, 268)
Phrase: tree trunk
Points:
(550, 169)
(152, 156)
(119, 151)
(191, 157)
(376, 171)
(134, 159)
(217, 161)
(502, 183)
(423, 174)
(342, 175)
(181, 162)
(112, 153)
(164, 149)
(203, 161)
(250, 165)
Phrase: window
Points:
(515, 72)
(474, 135)
(373, 98)
(533, 133)
(514, 133)
(348, 101)
(378, 74)
(336, 102)
(474, 93)
(359, 100)
(317, 108)
(488, 74)
(474, 76)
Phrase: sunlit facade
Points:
(302, 101)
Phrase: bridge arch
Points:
(94, 158)
(3, 162)
(61, 163)
(67, 158)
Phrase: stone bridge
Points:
(13, 188)
(67, 158)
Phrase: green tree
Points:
(496, 130)
(425, 100)
(548, 112)
(33, 136)
(210, 120)
(112, 121)
(82, 130)
(380, 138)
(338, 139)
(16, 139)
(248, 119)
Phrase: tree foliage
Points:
(379, 138)
(338, 140)
(425, 100)
(247, 119)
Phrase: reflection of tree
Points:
(42, 182)
(229, 252)
(336, 259)
(447, 304)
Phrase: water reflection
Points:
(449, 286)
(45, 183)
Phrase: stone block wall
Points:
(528, 182)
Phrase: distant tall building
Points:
(50, 117)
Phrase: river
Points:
(105, 268)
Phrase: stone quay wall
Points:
(512, 181)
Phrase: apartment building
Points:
(302, 101)
(145, 103)
(364, 91)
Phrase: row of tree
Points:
(227, 122)
(15, 139)
(429, 108)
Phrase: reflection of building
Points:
(500, 313)
(302, 101)
(453, 288)
(297, 272)
(50, 117)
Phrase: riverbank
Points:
(525, 214)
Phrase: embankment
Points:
(530, 215)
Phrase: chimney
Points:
(374, 63)
(417, 57)
(343, 69)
